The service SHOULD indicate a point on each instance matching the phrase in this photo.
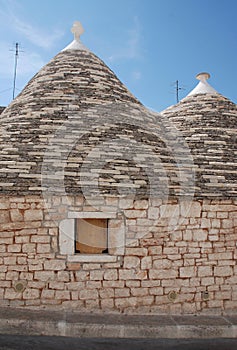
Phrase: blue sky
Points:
(149, 44)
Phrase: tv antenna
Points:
(177, 89)
(17, 45)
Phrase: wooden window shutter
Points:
(91, 236)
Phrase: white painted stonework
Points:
(76, 44)
(66, 236)
(203, 87)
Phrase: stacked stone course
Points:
(183, 247)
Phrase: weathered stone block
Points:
(48, 294)
(207, 281)
(188, 235)
(11, 294)
(88, 294)
(215, 223)
(107, 303)
(190, 209)
(221, 256)
(187, 271)
(131, 262)
(223, 271)
(4, 203)
(11, 260)
(141, 204)
(43, 248)
(40, 239)
(111, 274)
(96, 275)
(122, 292)
(199, 235)
(153, 213)
(156, 291)
(123, 303)
(126, 203)
(145, 300)
(33, 215)
(82, 275)
(22, 239)
(136, 251)
(146, 262)
(162, 274)
(205, 223)
(44, 275)
(63, 276)
(132, 275)
(12, 275)
(113, 284)
(169, 210)
(106, 293)
(16, 215)
(62, 295)
(227, 223)
(135, 213)
(31, 294)
(139, 291)
(29, 248)
(170, 250)
(162, 264)
(222, 215)
(4, 216)
(204, 271)
(55, 265)
(14, 248)
(155, 250)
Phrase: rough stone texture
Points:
(158, 262)
(76, 140)
(76, 128)
(208, 124)
(75, 115)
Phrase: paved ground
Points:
(69, 324)
(10, 342)
(22, 329)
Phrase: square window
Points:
(91, 236)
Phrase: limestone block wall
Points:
(179, 257)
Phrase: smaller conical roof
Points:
(207, 121)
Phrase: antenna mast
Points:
(177, 90)
(15, 69)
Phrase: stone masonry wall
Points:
(180, 257)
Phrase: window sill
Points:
(92, 258)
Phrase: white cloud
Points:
(12, 21)
(132, 46)
(35, 35)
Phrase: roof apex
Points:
(203, 87)
(76, 44)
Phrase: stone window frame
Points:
(116, 237)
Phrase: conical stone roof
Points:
(75, 128)
(1, 109)
(208, 122)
